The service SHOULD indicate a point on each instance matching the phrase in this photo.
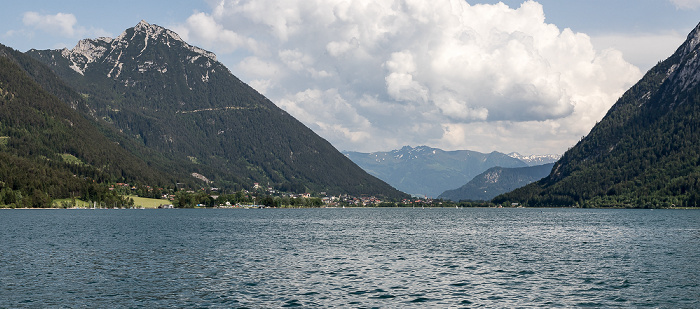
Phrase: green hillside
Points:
(50, 150)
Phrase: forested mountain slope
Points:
(180, 101)
(644, 153)
(50, 150)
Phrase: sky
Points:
(374, 75)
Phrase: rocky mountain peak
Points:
(692, 41)
(155, 32)
(150, 31)
(145, 25)
(86, 52)
(135, 41)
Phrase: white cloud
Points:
(379, 74)
(201, 27)
(258, 67)
(399, 81)
(62, 24)
(334, 115)
(686, 4)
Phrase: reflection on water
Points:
(389, 258)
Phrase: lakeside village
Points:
(267, 197)
(258, 197)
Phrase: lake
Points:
(350, 258)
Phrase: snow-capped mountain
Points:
(533, 160)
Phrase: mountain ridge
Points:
(176, 99)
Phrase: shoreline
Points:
(80, 208)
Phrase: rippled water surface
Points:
(350, 258)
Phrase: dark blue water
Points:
(350, 258)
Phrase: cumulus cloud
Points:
(686, 4)
(379, 74)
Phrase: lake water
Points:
(350, 258)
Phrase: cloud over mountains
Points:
(377, 74)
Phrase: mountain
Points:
(429, 171)
(643, 153)
(48, 149)
(533, 160)
(497, 180)
(178, 100)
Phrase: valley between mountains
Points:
(149, 110)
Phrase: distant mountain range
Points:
(426, 171)
(150, 108)
(497, 180)
(643, 153)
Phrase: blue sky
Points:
(531, 77)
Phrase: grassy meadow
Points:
(138, 202)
